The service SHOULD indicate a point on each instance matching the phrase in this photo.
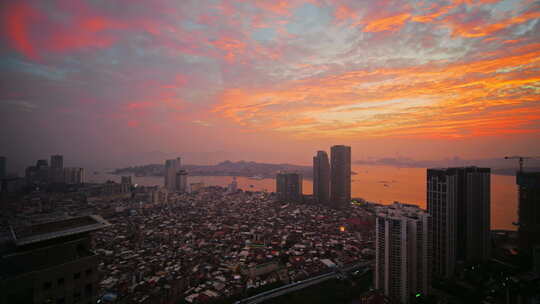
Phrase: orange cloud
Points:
(139, 105)
(481, 30)
(231, 47)
(343, 12)
(431, 17)
(279, 7)
(459, 28)
(477, 98)
(179, 81)
(391, 23)
(133, 123)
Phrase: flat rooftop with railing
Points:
(51, 230)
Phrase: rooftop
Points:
(397, 210)
(459, 168)
(47, 231)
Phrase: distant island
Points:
(226, 168)
(498, 166)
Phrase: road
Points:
(337, 273)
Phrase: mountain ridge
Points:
(224, 168)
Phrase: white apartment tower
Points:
(403, 252)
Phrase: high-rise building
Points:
(528, 211)
(172, 166)
(181, 181)
(289, 186)
(402, 252)
(536, 258)
(3, 166)
(30, 174)
(74, 176)
(126, 180)
(57, 161)
(159, 195)
(233, 186)
(42, 163)
(459, 201)
(340, 188)
(321, 177)
(51, 263)
(38, 174)
(57, 169)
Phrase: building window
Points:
(77, 276)
(47, 285)
(60, 282)
(81, 249)
(61, 301)
(76, 296)
(89, 272)
(88, 290)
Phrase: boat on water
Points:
(257, 177)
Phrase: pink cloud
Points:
(29, 30)
(17, 18)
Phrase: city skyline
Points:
(455, 230)
(421, 80)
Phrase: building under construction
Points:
(528, 211)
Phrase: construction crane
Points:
(521, 159)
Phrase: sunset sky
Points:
(110, 83)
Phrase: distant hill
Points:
(226, 168)
(498, 166)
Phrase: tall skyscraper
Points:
(57, 169)
(459, 201)
(321, 177)
(528, 211)
(181, 181)
(289, 186)
(172, 166)
(340, 189)
(3, 166)
(402, 251)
